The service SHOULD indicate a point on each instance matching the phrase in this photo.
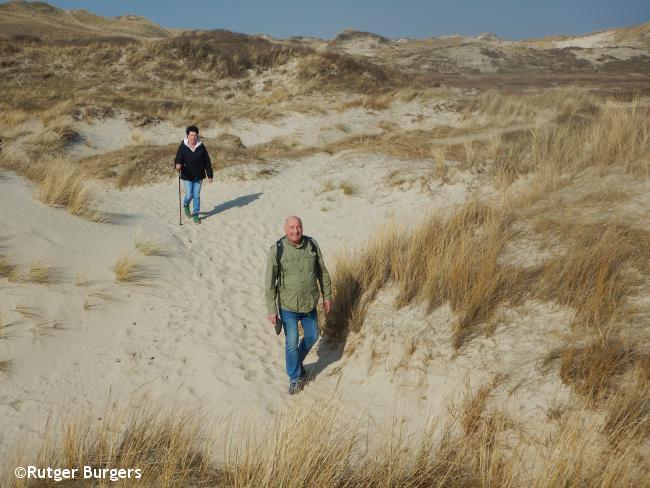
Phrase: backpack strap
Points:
(314, 249)
(312, 244)
(279, 249)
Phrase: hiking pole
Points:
(180, 219)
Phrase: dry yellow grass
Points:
(7, 329)
(56, 112)
(348, 188)
(7, 269)
(413, 144)
(597, 263)
(357, 279)
(609, 136)
(60, 183)
(592, 368)
(331, 71)
(452, 260)
(441, 171)
(470, 414)
(591, 276)
(500, 109)
(46, 328)
(175, 447)
(457, 260)
(578, 452)
(39, 272)
(168, 449)
(63, 184)
(149, 246)
(31, 313)
(596, 269)
(577, 137)
(137, 137)
(373, 102)
(80, 280)
(128, 270)
(629, 409)
(6, 366)
(132, 166)
(13, 117)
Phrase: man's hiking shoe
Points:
(187, 211)
(196, 219)
(294, 387)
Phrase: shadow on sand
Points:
(237, 202)
(329, 350)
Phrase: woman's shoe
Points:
(196, 219)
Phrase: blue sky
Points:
(514, 19)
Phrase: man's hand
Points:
(272, 318)
(178, 167)
(327, 306)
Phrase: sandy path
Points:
(198, 332)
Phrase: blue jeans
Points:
(193, 192)
(295, 352)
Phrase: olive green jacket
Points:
(300, 278)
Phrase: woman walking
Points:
(193, 162)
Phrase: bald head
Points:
(292, 220)
(293, 229)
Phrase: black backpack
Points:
(280, 249)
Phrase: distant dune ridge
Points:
(483, 207)
(486, 53)
(39, 19)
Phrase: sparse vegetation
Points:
(342, 452)
(596, 264)
(40, 272)
(31, 313)
(128, 270)
(61, 184)
(454, 260)
(336, 71)
(562, 168)
(592, 368)
(6, 366)
(6, 331)
(44, 329)
(348, 188)
(590, 275)
(7, 269)
(460, 262)
(149, 246)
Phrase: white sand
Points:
(114, 133)
(198, 333)
(316, 130)
(306, 130)
(599, 39)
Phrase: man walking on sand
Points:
(193, 162)
(294, 271)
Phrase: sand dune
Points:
(512, 304)
(196, 327)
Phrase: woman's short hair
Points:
(192, 128)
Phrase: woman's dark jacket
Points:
(194, 165)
